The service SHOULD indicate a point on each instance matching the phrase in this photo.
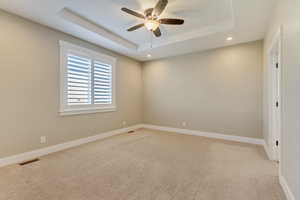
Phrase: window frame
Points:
(68, 48)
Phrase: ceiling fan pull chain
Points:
(151, 38)
(151, 35)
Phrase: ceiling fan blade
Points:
(157, 32)
(135, 27)
(170, 21)
(160, 7)
(131, 12)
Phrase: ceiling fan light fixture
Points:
(151, 25)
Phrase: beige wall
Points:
(218, 91)
(29, 82)
(287, 15)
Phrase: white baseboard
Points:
(268, 152)
(206, 134)
(59, 147)
(288, 193)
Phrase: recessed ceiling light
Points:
(149, 55)
(229, 38)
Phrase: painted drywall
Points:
(216, 91)
(29, 79)
(287, 16)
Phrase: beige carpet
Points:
(147, 165)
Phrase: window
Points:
(87, 81)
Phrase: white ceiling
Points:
(207, 23)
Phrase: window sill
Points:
(82, 111)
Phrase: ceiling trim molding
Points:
(75, 18)
(188, 36)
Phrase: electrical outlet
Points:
(124, 123)
(43, 139)
(184, 124)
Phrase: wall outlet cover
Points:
(43, 139)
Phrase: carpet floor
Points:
(147, 165)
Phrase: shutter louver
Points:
(78, 80)
(102, 81)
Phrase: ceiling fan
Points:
(151, 17)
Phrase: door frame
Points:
(274, 77)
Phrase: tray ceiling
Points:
(207, 23)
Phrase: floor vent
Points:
(29, 161)
(131, 132)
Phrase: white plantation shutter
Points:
(79, 80)
(87, 81)
(102, 83)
